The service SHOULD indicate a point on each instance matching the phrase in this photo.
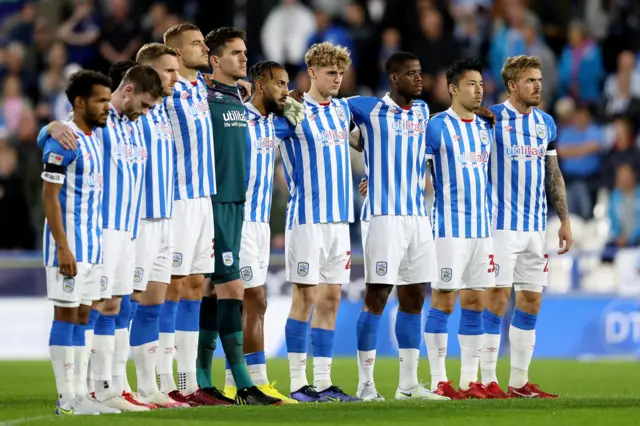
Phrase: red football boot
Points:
(178, 397)
(476, 391)
(530, 391)
(445, 389)
(202, 398)
(496, 392)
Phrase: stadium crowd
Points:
(590, 51)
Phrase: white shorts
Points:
(70, 292)
(399, 250)
(521, 258)
(154, 249)
(193, 235)
(465, 263)
(318, 253)
(118, 259)
(255, 248)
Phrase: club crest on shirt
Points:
(68, 284)
(246, 273)
(541, 131)
(104, 283)
(446, 274)
(418, 112)
(381, 268)
(303, 269)
(177, 260)
(138, 273)
(484, 136)
(227, 258)
(341, 114)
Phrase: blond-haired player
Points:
(524, 172)
(318, 249)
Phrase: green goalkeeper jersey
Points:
(230, 142)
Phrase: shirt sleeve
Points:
(42, 136)
(553, 135)
(433, 137)
(56, 159)
(283, 128)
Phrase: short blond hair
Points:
(171, 35)
(515, 65)
(326, 54)
(152, 51)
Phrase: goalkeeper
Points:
(222, 315)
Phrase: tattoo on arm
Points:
(554, 185)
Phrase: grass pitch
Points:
(594, 393)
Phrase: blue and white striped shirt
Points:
(140, 158)
(261, 143)
(518, 168)
(157, 192)
(119, 196)
(394, 145)
(80, 173)
(459, 150)
(194, 158)
(317, 165)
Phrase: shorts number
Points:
(492, 264)
(348, 265)
(546, 265)
(213, 248)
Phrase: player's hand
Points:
(293, 111)
(297, 94)
(208, 80)
(565, 238)
(487, 114)
(63, 134)
(66, 262)
(363, 186)
(245, 89)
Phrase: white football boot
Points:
(367, 392)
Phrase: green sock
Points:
(207, 340)
(230, 321)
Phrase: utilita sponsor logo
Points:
(525, 151)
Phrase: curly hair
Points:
(326, 55)
(514, 65)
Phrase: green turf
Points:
(591, 394)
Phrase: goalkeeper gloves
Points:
(293, 111)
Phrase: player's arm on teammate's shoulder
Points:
(355, 139)
(485, 113)
(61, 133)
(557, 193)
(55, 160)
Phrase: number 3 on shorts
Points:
(492, 264)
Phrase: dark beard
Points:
(272, 106)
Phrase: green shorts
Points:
(227, 221)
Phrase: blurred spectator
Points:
(156, 23)
(580, 71)
(15, 55)
(328, 30)
(16, 230)
(291, 17)
(363, 35)
(17, 111)
(120, 37)
(391, 43)
(579, 146)
(81, 32)
(435, 48)
(22, 31)
(52, 80)
(622, 90)
(507, 40)
(624, 151)
(439, 99)
(624, 212)
(534, 45)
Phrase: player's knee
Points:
(472, 299)
(411, 298)
(375, 298)
(497, 299)
(443, 300)
(329, 302)
(529, 301)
